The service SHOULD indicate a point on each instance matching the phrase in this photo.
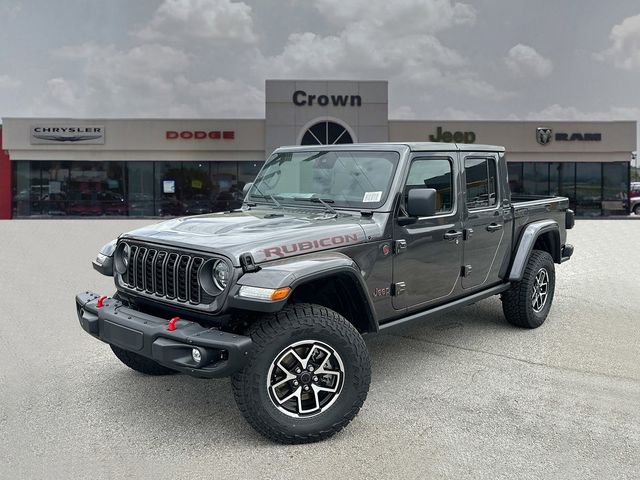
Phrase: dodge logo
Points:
(543, 135)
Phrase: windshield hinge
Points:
(248, 264)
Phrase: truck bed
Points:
(530, 208)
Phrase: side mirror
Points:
(246, 188)
(421, 202)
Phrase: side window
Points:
(482, 182)
(433, 173)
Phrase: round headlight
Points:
(221, 274)
(126, 251)
(121, 258)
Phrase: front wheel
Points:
(307, 377)
(527, 303)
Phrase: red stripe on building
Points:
(5, 183)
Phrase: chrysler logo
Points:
(66, 133)
(66, 138)
(543, 135)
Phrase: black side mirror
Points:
(246, 188)
(421, 202)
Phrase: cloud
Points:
(386, 40)
(225, 97)
(146, 80)
(9, 82)
(523, 61)
(11, 11)
(559, 112)
(624, 51)
(403, 112)
(213, 20)
(412, 16)
(59, 97)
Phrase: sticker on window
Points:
(372, 197)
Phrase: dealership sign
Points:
(452, 137)
(302, 98)
(67, 134)
(544, 135)
(200, 135)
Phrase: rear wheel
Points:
(307, 377)
(139, 363)
(527, 303)
(636, 209)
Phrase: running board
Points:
(461, 302)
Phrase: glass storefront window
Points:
(562, 181)
(140, 187)
(168, 178)
(22, 189)
(515, 177)
(535, 177)
(615, 185)
(94, 188)
(147, 188)
(228, 194)
(195, 188)
(589, 189)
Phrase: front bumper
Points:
(223, 353)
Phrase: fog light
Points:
(196, 355)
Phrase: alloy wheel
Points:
(540, 290)
(305, 378)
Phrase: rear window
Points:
(482, 182)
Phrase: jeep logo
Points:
(452, 137)
(301, 98)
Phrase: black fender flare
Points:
(527, 240)
(296, 271)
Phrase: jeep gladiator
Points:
(331, 243)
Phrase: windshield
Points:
(353, 179)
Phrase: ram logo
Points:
(543, 135)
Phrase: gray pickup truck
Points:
(332, 243)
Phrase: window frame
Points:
(487, 159)
(454, 175)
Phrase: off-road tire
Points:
(140, 363)
(276, 332)
(517, 303)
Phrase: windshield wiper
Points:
(268, 195)
(324, 201)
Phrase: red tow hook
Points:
(100, 302)
(172, 324)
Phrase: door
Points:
(484, 222)
(428, 253)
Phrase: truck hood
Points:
(267, 234)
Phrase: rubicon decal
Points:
(309, 245)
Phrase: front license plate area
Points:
(124, 337)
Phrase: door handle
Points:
(452, 235)
(494, 227)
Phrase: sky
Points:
(444, 59)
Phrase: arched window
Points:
(326, 133)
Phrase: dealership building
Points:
(52, 167)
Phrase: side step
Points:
(461, 302)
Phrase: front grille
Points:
(170, 275)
